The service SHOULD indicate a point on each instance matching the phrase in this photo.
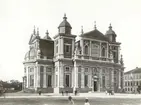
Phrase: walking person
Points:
(86, 102)
(71, 102)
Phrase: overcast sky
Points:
(18, 17)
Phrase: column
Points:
(82, 48)
(38, 75)
(82, 78)
(75, 76)
(56, 88)
(100, 76)
(44, 77)
(53, 78)
(112, 78)
(61, 75)
(72, 47)
(119, 86)
(90, 78)
(118, 54)
(99, 79)
(100, 49)
(90, 49)
(35, 78)
(27, 71)
(61, 47)
(107, 51)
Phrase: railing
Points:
(87, 57)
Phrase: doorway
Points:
(95, 86)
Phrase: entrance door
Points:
(95, 86)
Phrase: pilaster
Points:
(100, 50)
(107, 51)
(73, 46)
(27, 75)
(44, 77)
(119, 82)
(118, 54)
(61, 75)
(90, 49)
(90, 79)
(112, 78)
(82, 47)
(82, 78)
(35, 77)
(61, 47)
(100, 77)
(75, 75)
(38, 76)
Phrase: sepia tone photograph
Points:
(70, 52)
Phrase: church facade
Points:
(93, 63)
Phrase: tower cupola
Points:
(65, 26)
(111, 34)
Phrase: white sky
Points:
(18, 17)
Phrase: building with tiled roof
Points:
(93, 63)
(132, 80)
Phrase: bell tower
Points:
(64, 43)
(111, 34)
(65, 26)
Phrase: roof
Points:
(47, 48)
(95, 34)
(110, 31)
(136, 70)
(65, 23)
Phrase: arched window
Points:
(86, 50)
(103, 52)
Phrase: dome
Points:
(47, 36)
(30, 54)
(110, 31)
(65, 23)
(26, 55)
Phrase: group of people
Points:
(71, 102)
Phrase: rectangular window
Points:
(49, 80)
(67, 48)
(67, 80)
(31, 80)
(86, 80)
(79, 80)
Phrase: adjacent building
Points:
(132, 79)
(93, 63)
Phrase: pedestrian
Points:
(71, 102)
(75, 92)
(86, 102)
(40, 92)
(106, 92)
(62, 93)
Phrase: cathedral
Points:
(93, 63)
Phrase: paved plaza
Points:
(58, 99)
(80, 95)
